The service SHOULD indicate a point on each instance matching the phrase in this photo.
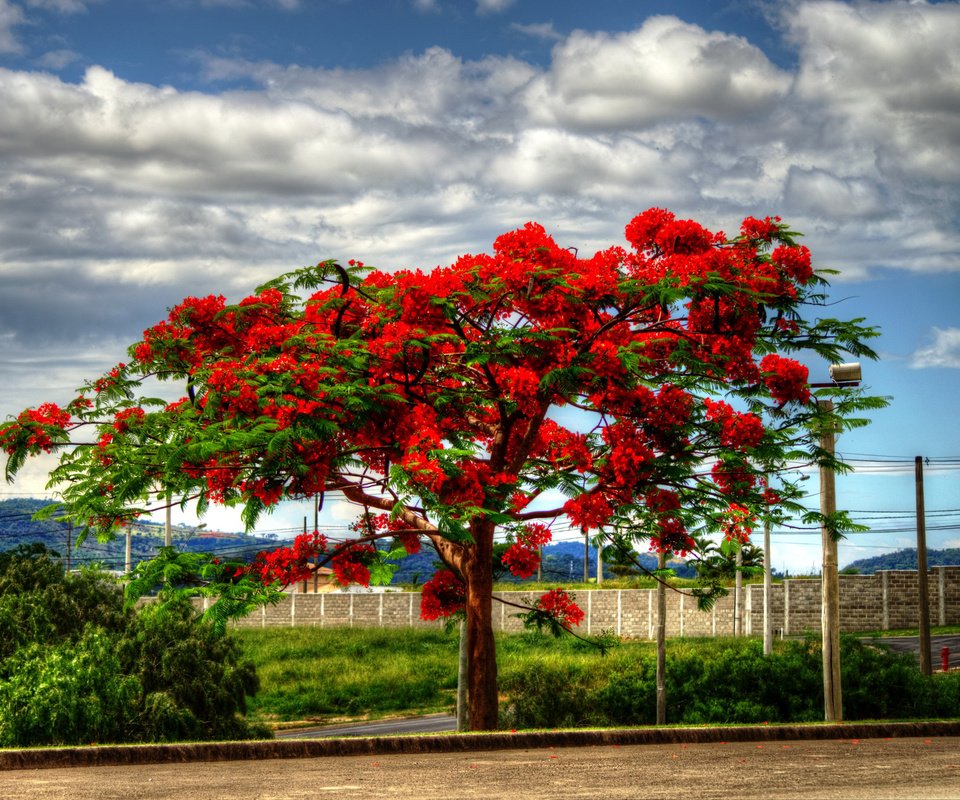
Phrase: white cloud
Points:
(108, 186)
(819, 192)
(886, 78)
(58, 59)
(944, 351)
(493, 6)
(538, 30)
(10, 17)
(63, 6)
(665, 70)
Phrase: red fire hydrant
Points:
(945, 658)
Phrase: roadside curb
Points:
(125, 755)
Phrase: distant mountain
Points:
(562, 561)
(17, 527)
(904, 559)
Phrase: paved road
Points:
(911, 644)
(431, 723)
(869, 769)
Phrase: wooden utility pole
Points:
(303, 585)
(924, 600)
(661, 643)
(830, 580)
(599, 562)
(738, 596)
(586, 556)
(767, 588)
(168, 524)
(316, 528)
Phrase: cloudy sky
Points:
(150, 151)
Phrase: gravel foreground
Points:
(851, 768)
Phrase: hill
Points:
(562, 561)
(904, 559)
(18, 527)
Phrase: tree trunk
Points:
(482, 667)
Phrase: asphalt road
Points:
(431, 723)
(911, 644)
(869, 769)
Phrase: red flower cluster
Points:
(558, 604)
(523, 557)
(442, 596)
(123, 418)
(287, 564)
(352, 565)
(672, 537)
(738, 523)
(375, 524)
(589, 510)
(786, 379)
(737, 431)
(760, 229)
(733, 477)
(35, 429)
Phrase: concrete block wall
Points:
(884, 601)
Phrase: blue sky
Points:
(149, 151)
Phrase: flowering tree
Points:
(640, 394)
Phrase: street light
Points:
(841, 375)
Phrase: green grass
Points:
(321, 674)
(327, 674)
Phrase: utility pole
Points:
(840, 375)
(303, 584)
(586, 556)
(738, 596)
(599, 562)
(168, 525)
(316, 528)
(69, 543)
(128, 552)
(661, 643)
(829, 580)
(925, 666)
(767, 588)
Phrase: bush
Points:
(728, 682)
(75, 667)
(67, 693)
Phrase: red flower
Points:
(786, 379)
(559, 604)
(442, 596)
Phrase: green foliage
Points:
(76, 667)
(726, 682)
(193, 680)
(38, 603)
(67, 693)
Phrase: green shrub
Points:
(67, 693)
(727, 682)
(548, 694)
(76, 668)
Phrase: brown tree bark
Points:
(483, 699)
